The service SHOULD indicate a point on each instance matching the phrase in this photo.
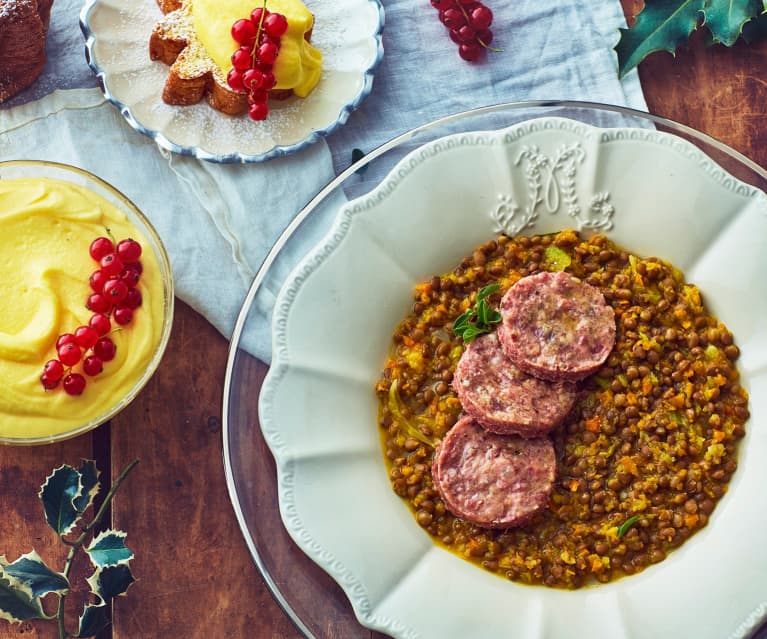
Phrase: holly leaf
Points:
(89, 476)
(726, 18)
(755, 29)
(31, 571)
(663, 25)
(58, 494)
(110, 581)
(93, 620)
(109, 549)
(16, 600)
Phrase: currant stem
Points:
(258, 33)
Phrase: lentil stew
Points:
(643, 457)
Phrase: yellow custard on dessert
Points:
(298, 65)
(46, 228)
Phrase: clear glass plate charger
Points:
(339, 550)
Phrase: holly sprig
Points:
(66, 495)
(665, 25)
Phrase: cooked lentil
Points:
(654, 434)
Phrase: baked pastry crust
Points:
(23, 30)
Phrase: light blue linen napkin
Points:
(219, 221)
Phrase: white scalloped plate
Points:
(348, 32)
(651, 192)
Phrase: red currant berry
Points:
(267, 52)
(267, 38)
(97, 280)
(130, 275)
(452, 18)
(69, 354)
(234, 80)
(258, 111)
(464, 34)
(252, 79)
(269, 81)
(74, 384)
(255, 15)
(111, 264)
(481, 17)
(442, 5)
(92, 365)
(101, 323)
(132, 299)
(100, 247)
(258, 95)
(465, 2)
(137, 265)
(98, 303)
(53, 369)
(123, 315)
(66, 338)
(241, 59)
(484, 37)
(128, 250)
(49, 382)
(86, 336)
(243, 31)
(262, 66)
(470, 51)
(105, 349)
(115, 291)
(275, 24)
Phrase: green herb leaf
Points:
(663, 25)
(109, 582)
(31, 571)
(58, 494)
(93, 620)
(555, 259)
(16, 600)
(725, 19)
(480, 319)
(109, 549)
(624, 527)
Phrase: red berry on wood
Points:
(69, 354)
(105, 349)
(74, 384)
(86, 337)
(123, 316)
(92, 365)
(101, 323)
(100, 247)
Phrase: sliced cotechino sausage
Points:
(556, 327)
(494, 481)
(505, 399)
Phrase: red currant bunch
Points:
(468, 22)
(252, 69)
(114, 297)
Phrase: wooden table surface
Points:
(196, 578)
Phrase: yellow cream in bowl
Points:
(298, 65)
(46, 228)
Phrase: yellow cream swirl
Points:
(46, 227)
(298, 65)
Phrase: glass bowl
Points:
(53, 286)
(275, 493)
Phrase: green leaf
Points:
(471, 332)
(462, 321)
(482, 312)
(664, 25)
(486, 291)
(110, 581)
(624, 527)
(58, 494)
(93, 620)
(16, 600)
(109, 549)
(755, 29)
(89, 476)
(31, 571)
(725, 18)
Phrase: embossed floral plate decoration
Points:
(652, 191)
(348, 33)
